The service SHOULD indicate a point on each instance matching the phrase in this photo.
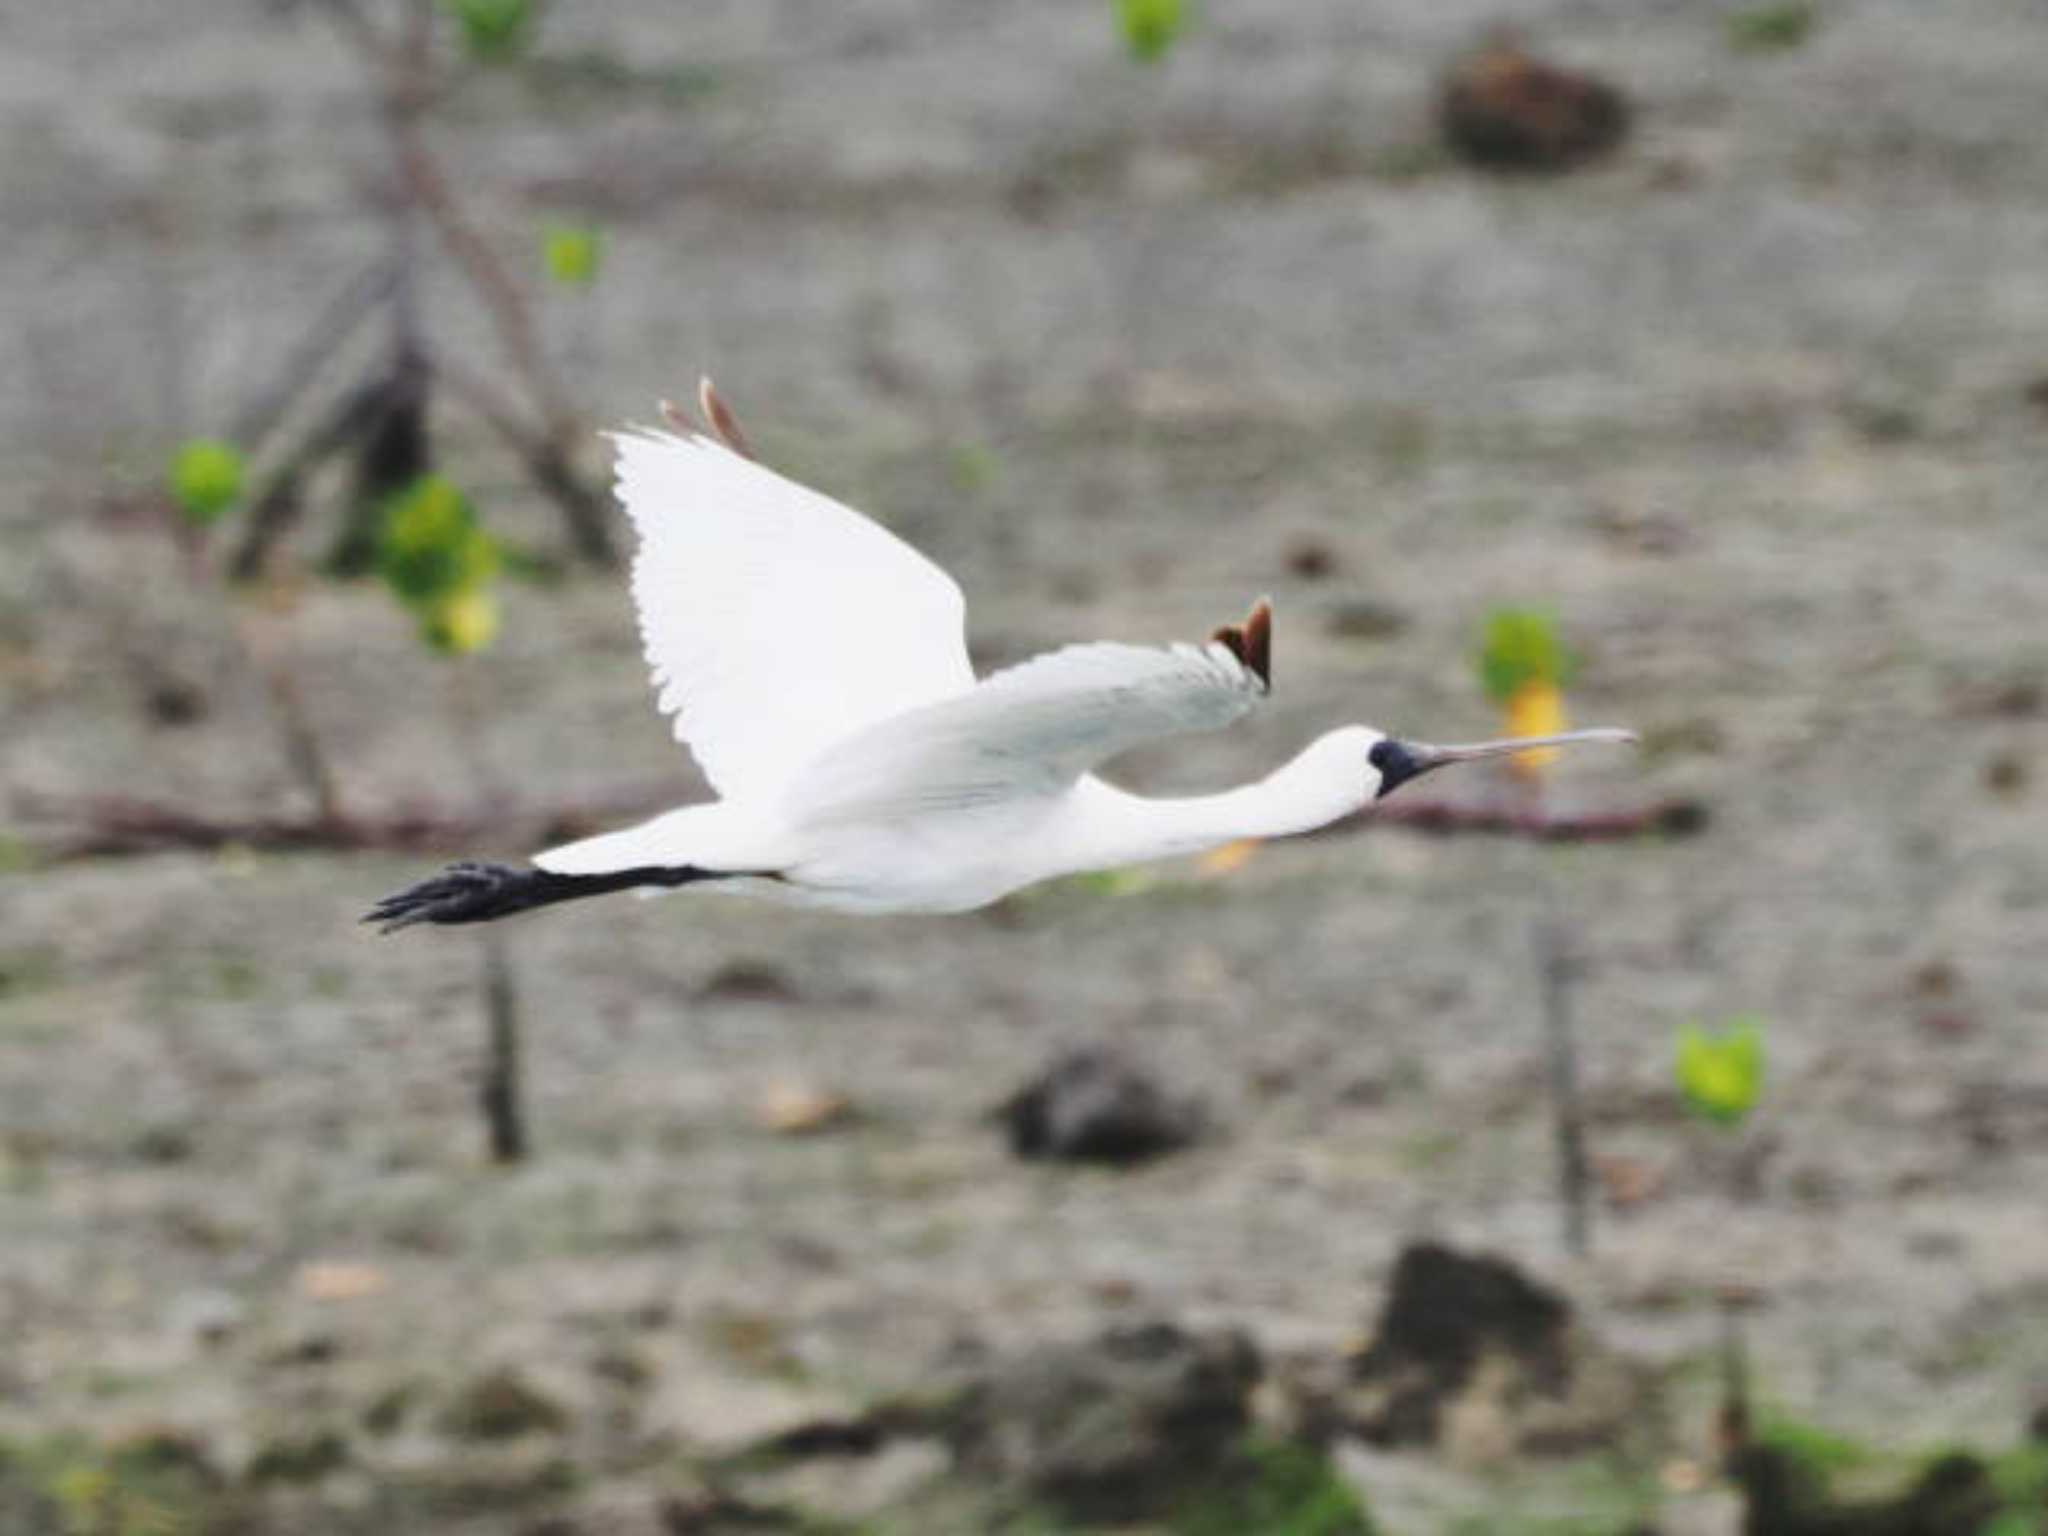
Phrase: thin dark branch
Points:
(498, 1091)
(125, 827)
(295, 723)
(403, 70)
(1560, 970)
(426, 185)
(584, 509)
(266, 408)
(356, 416)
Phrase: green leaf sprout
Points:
(572, 253)
(206, 479)
(1151, 27)
(1520, 646)
(495, 31)
(439, 562)
(1772, 27)
(1721, 1071)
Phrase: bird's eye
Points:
(1381, 754)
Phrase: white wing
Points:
(1032, 730)
(776, 621)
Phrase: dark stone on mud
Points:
(1117, 1427)
(1502, 108)
(1471, 1354)
(1954, 1495)
(1097, 1106)
(299, 1458)
(749, 981)
(501, 1405)
(720, 1514)
(1365, 618)
(1443, 1313)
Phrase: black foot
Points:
(461, 893)
(476, 893)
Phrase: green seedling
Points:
(1523, 665)
(572, 253)
(1773, 27)
(205, 479)
(1520, 647)
(494, 31)
(1720, 1072)
(1151, 27)
(439, 562)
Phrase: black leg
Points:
(479, 893)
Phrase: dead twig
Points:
(333, 326)
(499, 1089)
(115, 826)
(547, 464)
(1560, 970)
(402, 68)
(357, 415)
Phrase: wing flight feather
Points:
(1035, 728)
(775, 620)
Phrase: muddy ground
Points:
(1755, 405)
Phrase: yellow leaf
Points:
(340, 1281)
(1228, 859)
(798, 1108)
(1535, 709)
(463, 624)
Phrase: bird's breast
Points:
(933, 863)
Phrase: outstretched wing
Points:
(1034, 729)
(776, 621)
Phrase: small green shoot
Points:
(439, 563)
(1274, 1488)
(1720, 1072)
(572, 253)
(1151, 27)
(206, 479)
(495, 31)
(1521, 646)
(461, 625)
(2021, 1477)
(973, 467)
(1775, 26)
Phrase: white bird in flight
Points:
(817, 667)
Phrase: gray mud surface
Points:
(1749, 405)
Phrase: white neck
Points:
(1327, 781)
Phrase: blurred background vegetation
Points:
(1601, 1147)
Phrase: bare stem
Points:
(500, 1092)
(1560, 971)
(325, 336)
(302, 748)
(404, 74)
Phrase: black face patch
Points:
(1397, 765)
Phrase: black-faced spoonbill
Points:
(816, 665)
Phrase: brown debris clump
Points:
(1504, 109)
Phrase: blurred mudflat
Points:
(1754, 405)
